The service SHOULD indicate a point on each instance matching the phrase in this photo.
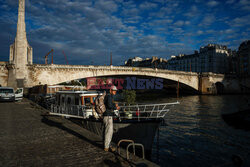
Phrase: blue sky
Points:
(88, 30)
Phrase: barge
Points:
(135, 122)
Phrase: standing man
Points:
(108, 118)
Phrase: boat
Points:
(239, 119)
(135, 122)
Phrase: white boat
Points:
(135, 122)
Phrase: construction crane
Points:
(46, 56)
(65, 57)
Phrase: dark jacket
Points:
(110, 105)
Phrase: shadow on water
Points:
(238, 120)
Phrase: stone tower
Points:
(21, 53)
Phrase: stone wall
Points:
(220, 84)
(3, 74)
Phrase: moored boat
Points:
(135, 122)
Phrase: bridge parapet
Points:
(118, 68)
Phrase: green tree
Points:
(129, 96)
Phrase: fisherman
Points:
(108, 118)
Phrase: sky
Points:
(87, 31)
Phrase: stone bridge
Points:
(54, 74)
(39, 74)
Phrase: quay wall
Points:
(3, 74)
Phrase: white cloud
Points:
(212, 3)
(208, 20)
(199, 32)
(240, 21)
(147, 6)
(192, 12)
(86, 30)
(244, 5)
(179, 23)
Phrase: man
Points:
(108, 118)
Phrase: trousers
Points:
(108, 133)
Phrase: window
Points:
(62, 99)
(6, 91)
(58, 99)
(77, 101)
(87, 100)
(69, 100)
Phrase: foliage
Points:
(129, 96)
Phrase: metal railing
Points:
(146, 111)
(76, 111)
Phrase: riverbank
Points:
(29, 137)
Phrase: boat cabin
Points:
(82, 98)
(78, 103)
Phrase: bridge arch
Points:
(166, 83)
(54, 74)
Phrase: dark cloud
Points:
(87, 31)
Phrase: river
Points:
(196, 134)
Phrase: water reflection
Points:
(197, 135)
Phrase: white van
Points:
(19, 94)
(7, 94)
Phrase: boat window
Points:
(76, 101)
(58, 99)
(69, 100)
(87, 100)
(62, 99)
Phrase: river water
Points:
(196, 134)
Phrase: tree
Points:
(129, 96)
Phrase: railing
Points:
(126, 112)
(145, 111)
(76, 111)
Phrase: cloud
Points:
(88, 30)
(147, 6)
(208, 20)
(193, 11)
(230, 1)
(200, 32)
(212, 3)
(244, 5)
(241, 21)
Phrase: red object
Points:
(65, 58)
(137, 113)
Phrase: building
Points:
(133, 61)
(184, 62)
(214, 58)
(233, 62)
(244, 58)
(211, 58)
(153, 62)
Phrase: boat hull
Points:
(142, 131)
